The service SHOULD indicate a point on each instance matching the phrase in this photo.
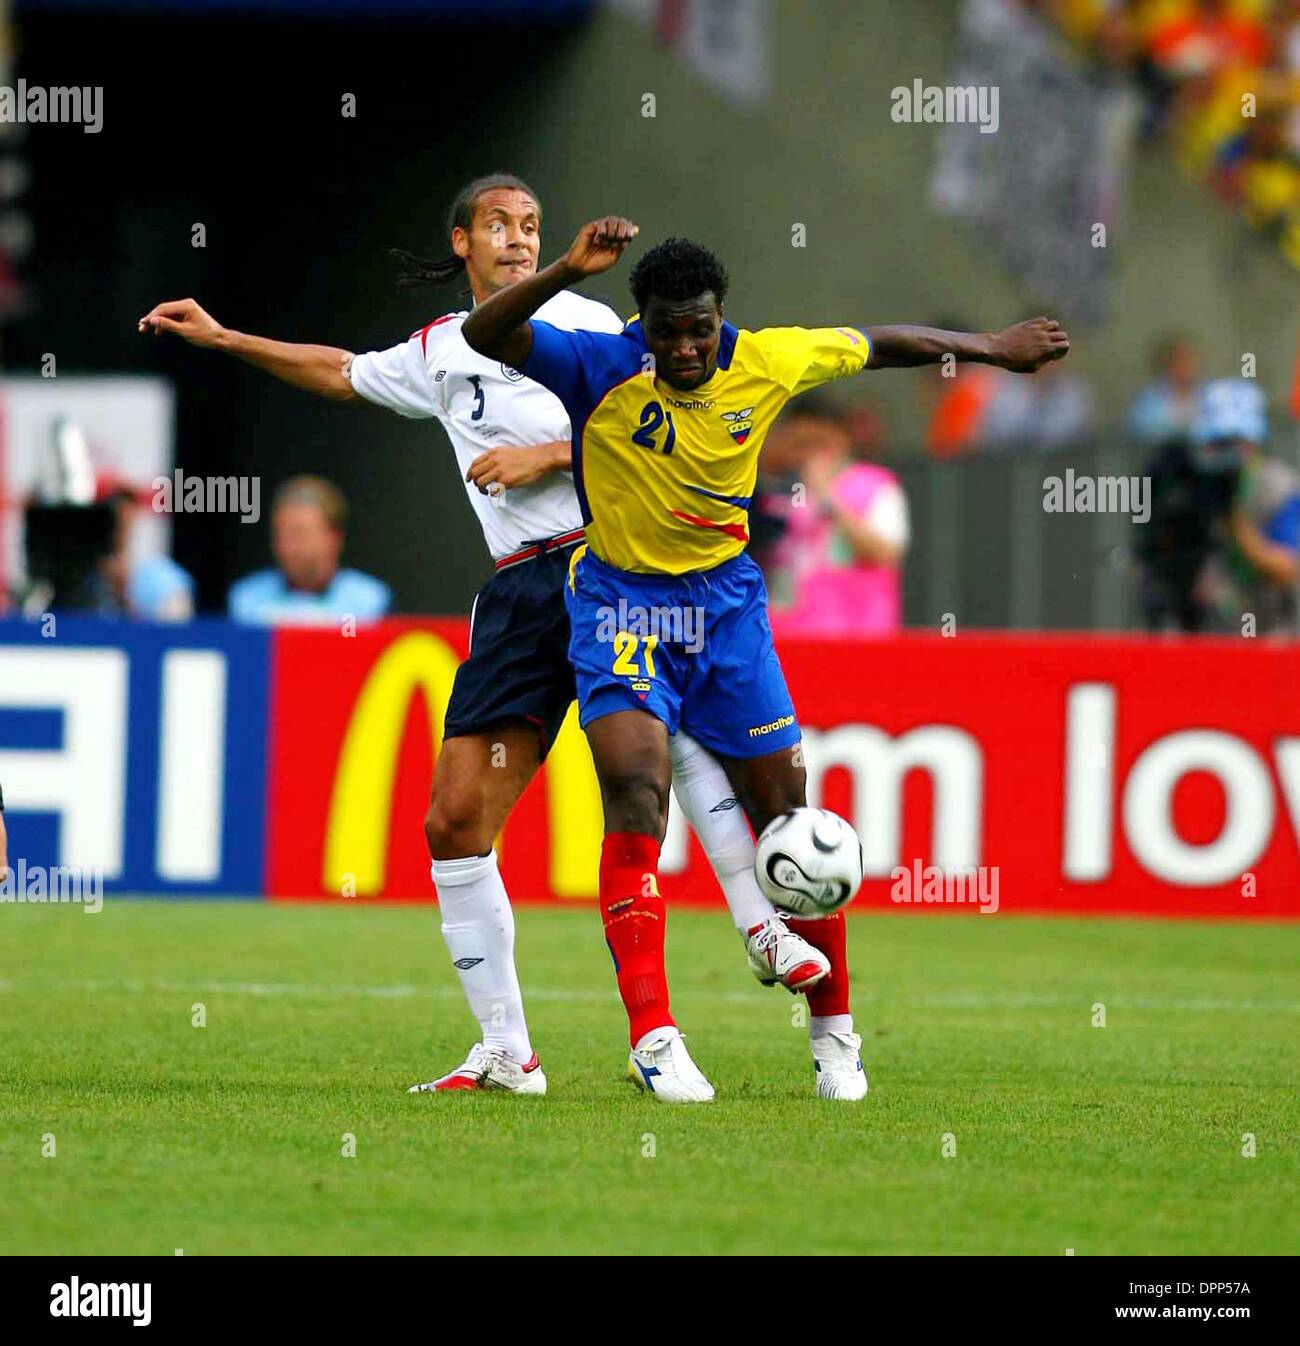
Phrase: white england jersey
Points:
(484, 404)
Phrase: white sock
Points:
(821, 1025)
(700, 786)
(479, 928)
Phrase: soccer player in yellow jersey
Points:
(668, 613)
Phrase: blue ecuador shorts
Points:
(694, 650)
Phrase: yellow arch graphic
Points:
(361, 806)
(576, 821)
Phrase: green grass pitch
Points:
(229, 1138)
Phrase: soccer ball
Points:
(809, 862)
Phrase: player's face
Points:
(683, 338)
(305, 546)
(502, 244)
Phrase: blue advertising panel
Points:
(137, 753)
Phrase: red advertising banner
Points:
(1036, 773)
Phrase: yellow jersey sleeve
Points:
(800, 358)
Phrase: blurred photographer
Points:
(1193, 473)
(77, 534)
(1258, 571)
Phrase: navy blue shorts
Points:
(518, 666)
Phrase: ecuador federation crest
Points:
(739, 423)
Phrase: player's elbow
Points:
(340, 391)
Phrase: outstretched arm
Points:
(499, 327)
(1022, 348)
(315, 369)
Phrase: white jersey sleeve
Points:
(484, 404)
(887, 516)
(399, 378)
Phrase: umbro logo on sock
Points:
(724, 804)
(464, 964)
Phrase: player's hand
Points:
(599, 245)
(1028, 346)
(187, 319)
(499, 469)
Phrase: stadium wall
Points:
(821, 150)
(1058, 773)
(300, 205)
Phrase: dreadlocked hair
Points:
(678, 269)
(421, 270)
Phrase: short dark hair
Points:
(421, 271)
(461, 214)
(678, 269)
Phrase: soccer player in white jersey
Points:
(511, 438)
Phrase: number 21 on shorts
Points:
(626, 646)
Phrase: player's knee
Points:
(455, 825)
(635, 801)
(774, 795)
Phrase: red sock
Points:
(634, 917)
(831, 994)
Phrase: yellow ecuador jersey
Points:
(665, 478)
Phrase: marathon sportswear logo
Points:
(71, 1299)
(759, 729)
(739, 423)
(690, 404)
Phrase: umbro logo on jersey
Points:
(725, 805)
(440, 375)
(464, 964)
(512, 374)
(739, 423)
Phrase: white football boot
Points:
(489, 1068)
(663, 1067)
(778, 955)
(839, 1066)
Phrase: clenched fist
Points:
(1029, 345)
(599, 245)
